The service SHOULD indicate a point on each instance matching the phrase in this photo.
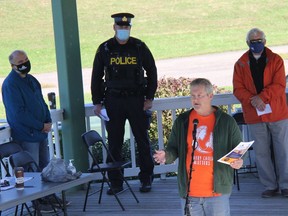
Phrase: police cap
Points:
(122, 19)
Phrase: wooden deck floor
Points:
(164, 200)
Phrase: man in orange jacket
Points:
(259, 84)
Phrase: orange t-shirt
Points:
(201, 184)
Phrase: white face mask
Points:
(123, 34)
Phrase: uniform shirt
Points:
(104, 58)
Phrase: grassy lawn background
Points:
(170, 28)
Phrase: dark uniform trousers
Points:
(119, 108)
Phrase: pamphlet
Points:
(265, 111)
(236, 153)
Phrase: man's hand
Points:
(147, 104)
(257, 102)
(47, 127)
(97, 109)
(237, 164)
(159, 156)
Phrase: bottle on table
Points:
(71, 168)
(19, 178)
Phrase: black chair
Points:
(248, 167)
(6, 150)
(91, 139)
(24, 159)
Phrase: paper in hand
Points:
(265, 111)
(103, 115)
(236, 153)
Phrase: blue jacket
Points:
(26, 110)
(226, 136)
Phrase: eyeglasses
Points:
(198, 96)
(256, 41)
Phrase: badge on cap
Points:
(123, 18)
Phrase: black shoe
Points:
(57, 201)
(44, 208)
(284, 192)
(54, 200)
(145, 187)
(270, 193)
(115, 190)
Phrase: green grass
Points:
(171, 28)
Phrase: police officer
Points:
(124, 80)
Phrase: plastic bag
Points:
(56, 171)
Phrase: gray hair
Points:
(255, 31)
(15, 53)
(202, 82)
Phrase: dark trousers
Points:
(119, 109)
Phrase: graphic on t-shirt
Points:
(205, 141)
(202, 170)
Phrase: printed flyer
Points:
(236, 153)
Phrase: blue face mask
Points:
(123, 34)
(256, 47)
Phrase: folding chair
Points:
(248, 168)
(24, 159)
(6, 150)
(91, 139)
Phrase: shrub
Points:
(172, 87)
(167, 87)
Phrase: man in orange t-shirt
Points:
(205, 184)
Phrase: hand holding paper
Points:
(236, 153)
(103, 115)
(265, 111)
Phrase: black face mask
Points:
(24, 68)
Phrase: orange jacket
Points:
(273, 92)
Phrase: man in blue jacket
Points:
(26, 111)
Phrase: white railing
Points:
(159, 105)
(54, 135)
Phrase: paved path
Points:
(218, 68)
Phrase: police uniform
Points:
(118, 82)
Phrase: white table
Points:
(36, 188)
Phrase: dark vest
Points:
(123, 67)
